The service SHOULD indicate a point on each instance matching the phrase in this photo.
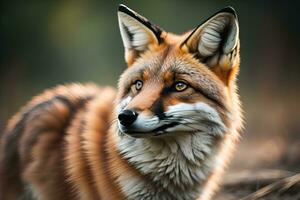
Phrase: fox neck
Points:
(173, 167)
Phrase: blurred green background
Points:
(50, 42)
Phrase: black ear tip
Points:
(123, 8)
(230, 10)
(128, 11)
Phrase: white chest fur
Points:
(175, 167)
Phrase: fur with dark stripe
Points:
(48, 116)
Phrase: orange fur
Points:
(64, 143)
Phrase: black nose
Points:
(127, 117)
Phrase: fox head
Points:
(177, 84)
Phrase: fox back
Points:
(168, 132)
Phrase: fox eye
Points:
(138, 85)
(180, 86)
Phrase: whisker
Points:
(151, 120)
(184, 122)
(172, 119)
(182, 111)
(112, 122)
(187, 123)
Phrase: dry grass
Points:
(261, 185)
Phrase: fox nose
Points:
(127, 117)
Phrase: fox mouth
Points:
(163, 130)
(166, 126)
(135, 131)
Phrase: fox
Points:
(167, 132)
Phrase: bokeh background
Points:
(50, 42)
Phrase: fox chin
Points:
(168, 131)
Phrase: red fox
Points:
(167, 133)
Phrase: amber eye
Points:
(138, 85)
(180, 86)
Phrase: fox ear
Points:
(216, 43)
(138, 34)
